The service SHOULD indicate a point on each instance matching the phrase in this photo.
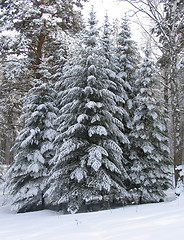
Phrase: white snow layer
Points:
(161, 221)
(99, 130)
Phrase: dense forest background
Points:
(86, 116)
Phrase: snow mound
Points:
(146, 222)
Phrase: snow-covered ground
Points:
(162, 221)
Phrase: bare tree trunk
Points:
(9, 137)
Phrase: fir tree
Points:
(29, 36)
(126, 70)
(36, 26)
(116, 84)
(150, 163)
(27, 176)
(88, 167)
(127, 61)
(61, 55)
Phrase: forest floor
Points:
(160, 221)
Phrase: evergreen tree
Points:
(88, 167)
(167, 17)
(116, 84)
(50, 68)
(126, 70)
(61, 55)
(29, 35)
(150, 162)
(127, 61)
(36, 23)
(30, 30)
(27, 176)
(14, 85)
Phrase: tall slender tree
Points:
(127, 58)
(150, 163)
(126, 70)
(117, 84)
(127, 62)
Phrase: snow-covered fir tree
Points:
(29, 30)
(150, 163)
(35, 25)
(27, 176)
(127, 55)
(126, 70)
(62, 52)
(37, 30)
(116, 84)
(88, 167)
(51, 65)
(112, 67)
(14, 83)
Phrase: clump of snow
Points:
(139, 127)
(154, 115)
(99, 130)
(92, 104)
(81, 118)
(147, 148)
(96, 118)
(78, 174)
